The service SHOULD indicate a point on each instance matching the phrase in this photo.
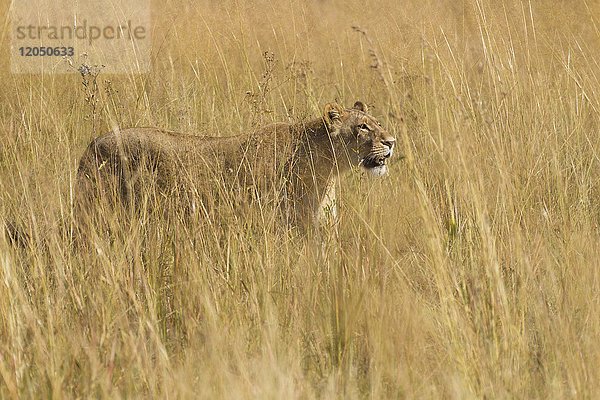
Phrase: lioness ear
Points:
(333, 113)
(360, 106)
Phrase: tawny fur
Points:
(297, 163)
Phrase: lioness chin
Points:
(298, 164)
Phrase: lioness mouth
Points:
(369, 163)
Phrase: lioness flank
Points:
(295, 165)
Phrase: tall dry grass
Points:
(470, 271)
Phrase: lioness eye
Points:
(364, 127)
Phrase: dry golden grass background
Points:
(470, 271)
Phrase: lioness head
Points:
(367, 144)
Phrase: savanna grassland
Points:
(470, 271)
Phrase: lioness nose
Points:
(389, 142)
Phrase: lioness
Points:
(296, 165)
